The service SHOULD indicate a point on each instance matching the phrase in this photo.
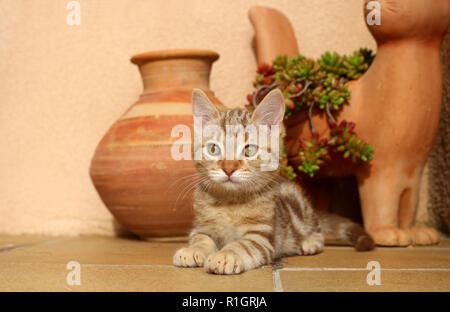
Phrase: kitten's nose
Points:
(229, 171)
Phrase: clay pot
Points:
(395, 105)
(132, 168)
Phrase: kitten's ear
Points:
(271, 109)
(203, 107)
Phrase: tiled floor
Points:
(33, 263)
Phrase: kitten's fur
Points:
(246, 217)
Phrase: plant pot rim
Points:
(145, 57)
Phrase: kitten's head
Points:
(239, 150)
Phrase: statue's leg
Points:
(380, 195)
(409, 200)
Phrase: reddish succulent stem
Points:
(330, 116)
(313, 129)
(264, 89)
(302, 91)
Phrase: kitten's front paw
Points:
(310, 246)
(224, 262)
(189, 257)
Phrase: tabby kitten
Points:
(246, 217)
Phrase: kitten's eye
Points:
(213, 149)
(250, 150)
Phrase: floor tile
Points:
(14, 241)
(345, 257)
(356, 281)
(95, 250)
(33, 263)
(52, 277)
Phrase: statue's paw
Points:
(424, 235)
(391, 236)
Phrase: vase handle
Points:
(274, 34)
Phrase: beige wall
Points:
(62, 87)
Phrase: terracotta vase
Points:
(132, 168)
(395, 105)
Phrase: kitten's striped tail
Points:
(346, 230)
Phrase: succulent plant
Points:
(347, 66)
(305, 82)
(286, 169)
(344, 140)
(323, 84)
(312, 154)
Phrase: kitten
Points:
(246, 217)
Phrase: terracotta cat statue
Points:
(396, 105)
(245, 214)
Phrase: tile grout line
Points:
(97, 264)
(387, 248)
(7, 247)
(277, 284)
(364, 269)
(10, 247)
(130, 265)
(276, 278)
